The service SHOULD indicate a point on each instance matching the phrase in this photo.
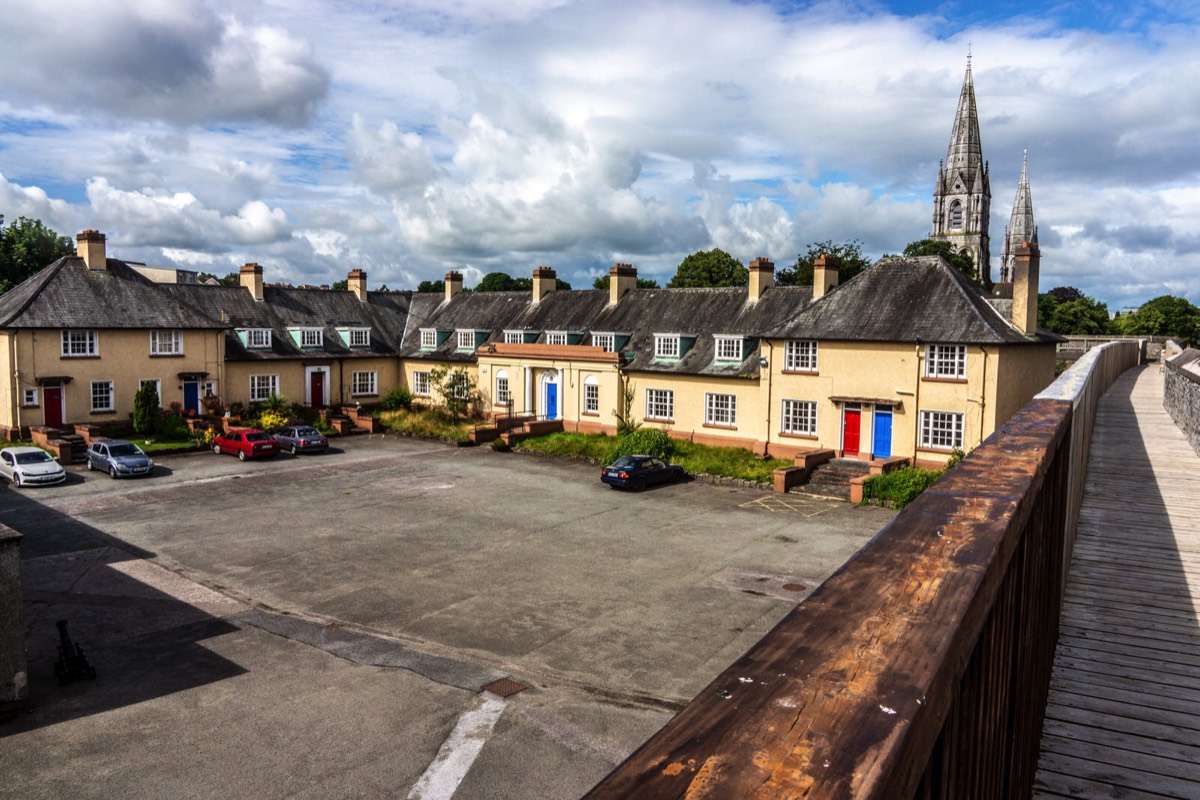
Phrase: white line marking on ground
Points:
(452, 762)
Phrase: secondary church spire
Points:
(962, 198)
(1020, 227)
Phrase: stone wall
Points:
(1181, 393)
(14, 683)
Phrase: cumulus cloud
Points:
(179, 62)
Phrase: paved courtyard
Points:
(323, 626)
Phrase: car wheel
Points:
(677, 477)
(241, 455)
(89, 465)
(112, 473)
(295, 450)
(637, 485)
(217, 449)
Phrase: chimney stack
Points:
(252, 278)
(89, 245)
(762, 277)
(825, 275)
(1025, 287)
(545, 280)
(621, 279)
(356, 281)
(453, 284)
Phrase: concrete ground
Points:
(324, 626)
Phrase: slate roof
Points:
(920, 299)
(67, 294)
(282, 308)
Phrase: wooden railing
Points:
(921, 668)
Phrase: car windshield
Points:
(627, 462)
(39, 457)
(307, 432)
(129, 449)
(256, 437)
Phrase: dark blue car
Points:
(638, 472)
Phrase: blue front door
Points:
(551, 401)
(191, 397)
(883, 432)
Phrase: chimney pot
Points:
(1025, 287)
(356, 281)
(622, 278)
(545, 281)
(251, 275)
(454, 284)
(762, 277)
(89, 245)
(825, 275)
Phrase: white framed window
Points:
(605, 341)
(941, 430)
(157, 387)
(556, 337)
(79, 344)
(210, 389)
(591, 395)
(800, 356)
(947, 361)
(502, 394)
(660, 404)
(720, 409)
(428, 338)
(666, 345)
(311, 337)
(258, 338)
(466, 340)
(102, 396)
(29, 397)
(262, 387)
(460, 390)
(363, 383)
(166, 343)
(514, 337)
(729, 348)
(420, 386)
(358, 337)
(799, 417)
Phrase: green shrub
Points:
(399, 397)
(643, 441)
(271, 421)
(277, 403)
(145, 409)
(174, 429)
(323, 426)
(114, 430)
(901, 486)
(500, 446)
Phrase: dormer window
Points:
(666, 345)
(357, 337)
(514, 337)
(729, 348)
(310, 337)
(605, 341)
(556, 337)
(428, 338)
(258, 338)
(466, 340)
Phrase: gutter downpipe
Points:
(770, 398)
(917, 406)
(16, 403)
(983, 394)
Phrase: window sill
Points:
(166, 355)
(800, 372)
(940, 450)
(77, 358)
(364, 394)
(720, 426)
(929, 379)
(810, 436)
(590, 413)
(96, 411)
(668, 420)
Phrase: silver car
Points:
(118, 458)
(30, 466)
(302, 439)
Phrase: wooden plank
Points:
(1121, 718)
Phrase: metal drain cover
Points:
(505, 687)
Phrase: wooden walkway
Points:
(1123, 719)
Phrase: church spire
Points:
(1020, 228)
(962, 199)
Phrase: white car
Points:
(30, 466)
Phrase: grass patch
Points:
(427, 423)
(729, 462)
(899, 487)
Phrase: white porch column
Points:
(528, 389)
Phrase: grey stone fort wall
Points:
(1181, 394)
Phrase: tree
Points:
(27, 246)
(430, 287)
(642, 283)
(145, 415)
(503, 282)
(709, 268)
(1083, 316)
(1065, 294)
(340, 286)
(1163, 316)
(931, 247)
(458, 391)
(849, 255)
(230, 279)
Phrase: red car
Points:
(246, 443)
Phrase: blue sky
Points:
(411, 138)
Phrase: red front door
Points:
(851, 430)
(52, 404)
(316, 385)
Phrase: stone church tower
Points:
(962, 198)
(1020, 228)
